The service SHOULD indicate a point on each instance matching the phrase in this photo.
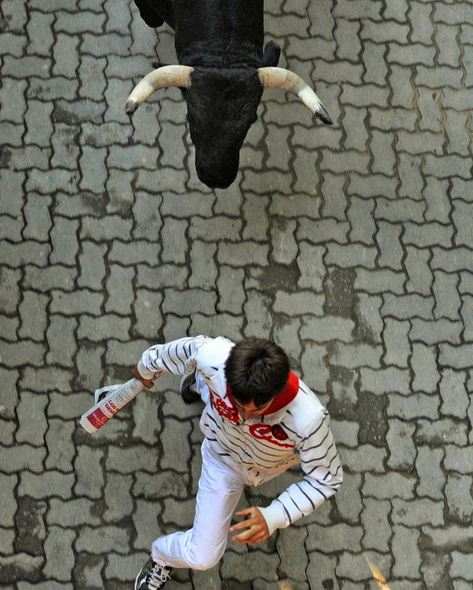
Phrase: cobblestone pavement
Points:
(350, 245)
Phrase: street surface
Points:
(350, 245)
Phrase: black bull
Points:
(222, 72)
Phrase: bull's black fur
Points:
(223, 41)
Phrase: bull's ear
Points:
(271, 54)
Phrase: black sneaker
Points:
(188, 391)
(152, 576)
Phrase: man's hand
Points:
(148, 383)
(257, 529)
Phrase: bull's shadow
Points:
(222, 71)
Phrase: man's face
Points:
(248, 411)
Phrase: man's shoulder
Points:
(212, 354)
(306, 409)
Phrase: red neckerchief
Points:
(282, 400)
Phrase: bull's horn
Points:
(162, 77)
(272, 77)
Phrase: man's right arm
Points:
(176, 357)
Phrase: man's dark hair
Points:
(256, 371)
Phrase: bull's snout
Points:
(216, 172)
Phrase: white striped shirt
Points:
(266, 445)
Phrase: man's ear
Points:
(271, 54)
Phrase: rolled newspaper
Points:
(106, 407)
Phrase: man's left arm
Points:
(323, 476)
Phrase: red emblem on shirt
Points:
(273, 433)
(227, 412)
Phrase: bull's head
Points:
(221, 107)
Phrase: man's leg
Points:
(202, 546)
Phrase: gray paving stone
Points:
(402, 91)
(83, 301)
(327, 329)
(442, 432)
(366, 223)
(38, 218)
(378, 281)
(434, 570)
(103, 540)
(376, 526)
(355, 129)
(374, 61)
(420, 276)
(350, 256)
(8, 483)
(456, 459)
(60, 456)
(405, 307)
(128, 460)
(321, 570)
(46, 484)
(108, 326)
(173, 436)
(386, 380)
(382, 149)
(428, 234)
(354, 566)
(231, 291)
(415, 513)
(119, 289)
(396, 338)
(413, 406)
(202, 261)
(117, 497)
(439, 167)
(59, 555)
(14, 353)
(335, 203)
(460, 566)
(401, 446)
(369, 320)
(61, 342)
(314, 371)
(311, 267)
(40, 379)
(405, 547)
(447, 299)
(459, 499)
(431, 476)
(447, 538)
(320, 231)
(455, 357)
(257, 565)
(423, 363)
(290, 568)
(27, 566)
(31, 418)
(456, 128)
(455, 398)
(156, 485)
(9, 328)
(367, 458)
(389, 484)
(132, 253)
(66, 57)
(86, 467)
(364, 355)
(345, 433)
(348, 501)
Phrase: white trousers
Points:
(201, 547)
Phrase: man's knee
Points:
(201, 558)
